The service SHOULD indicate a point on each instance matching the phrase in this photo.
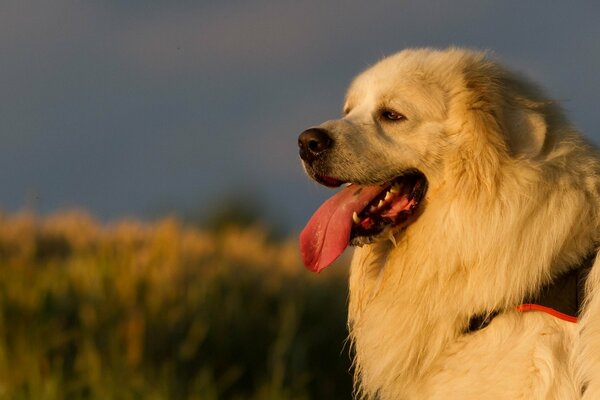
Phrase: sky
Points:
(133, 108)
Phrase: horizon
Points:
(147, 109)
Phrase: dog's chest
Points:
(407, 348)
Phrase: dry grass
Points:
(136, 310)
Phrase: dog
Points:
(473, 205)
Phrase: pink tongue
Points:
(327, 233)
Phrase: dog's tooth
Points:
(381, 203)
(395, 188)
(372, 209)
(355, 218)
(388, 196)
(392, 238)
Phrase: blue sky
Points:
(129, 107)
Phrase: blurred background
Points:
(150, 189)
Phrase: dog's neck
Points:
(396, 332)
(562, 297)
(408, 302)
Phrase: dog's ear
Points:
(509, 105)
(525, 131)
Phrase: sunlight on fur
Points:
(512, 203)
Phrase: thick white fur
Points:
(513, 201)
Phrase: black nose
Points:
(313, 142)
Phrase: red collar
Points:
(562, 297)
(549, 310)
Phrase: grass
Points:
(134, 310)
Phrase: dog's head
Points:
(414, 124)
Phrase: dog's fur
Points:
(513, 201)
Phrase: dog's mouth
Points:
(393, 207)
(359, 214)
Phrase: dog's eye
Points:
(391, 115)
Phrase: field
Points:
(133, 310)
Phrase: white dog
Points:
(475, 206)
